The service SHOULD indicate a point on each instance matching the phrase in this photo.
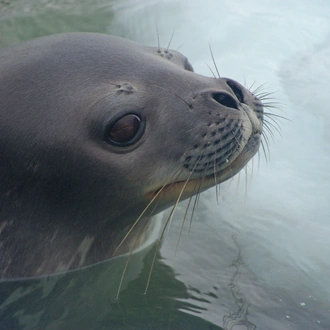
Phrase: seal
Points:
(98, 133)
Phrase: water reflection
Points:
(85, 299)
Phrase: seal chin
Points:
(181, 190)
(249, 150)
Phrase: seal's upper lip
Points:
(190, 187)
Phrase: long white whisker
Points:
(130, 254)
(144, 211)
(168, 222)
(168, 46)
(215, 65)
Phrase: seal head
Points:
(95, 129)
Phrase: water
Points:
(258, 259)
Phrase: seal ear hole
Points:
(237, 91)
(225, 99)
(124, 131)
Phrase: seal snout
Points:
(226, 135)
(231, 135)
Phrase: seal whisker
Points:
(238, 181)
(273, 105)
(271, 102)
(264, 95)
(259, 160)
(235, 137)
(131, 252)
(252, 170)
(270, 115)
(215, 65)
(183, 222)
(144, 211)
(196, 201)
(216, 155)
(179, 198)
(267, 128)
(263, 148)
(168, 46)
(123, 275)
(215, 179)
(275, 126)
(185, 214)
(258, 89)
(211, 70)
(275, 119)
(266, 139)
(250, 87)
(272, 122)
(181, 45)
(167, 223)
(173, 93)
(158, 38)
(245, 82)
(231, 180)
(144, 226)
(154, 259)
(197, 194)
(246, 183)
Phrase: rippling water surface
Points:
(259, 258)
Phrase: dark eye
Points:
(124, 131)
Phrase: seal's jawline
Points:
(173, 190)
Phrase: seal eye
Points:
(124, 131)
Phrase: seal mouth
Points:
(183, 189)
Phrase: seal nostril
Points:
(225, 100)
(237, 91)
